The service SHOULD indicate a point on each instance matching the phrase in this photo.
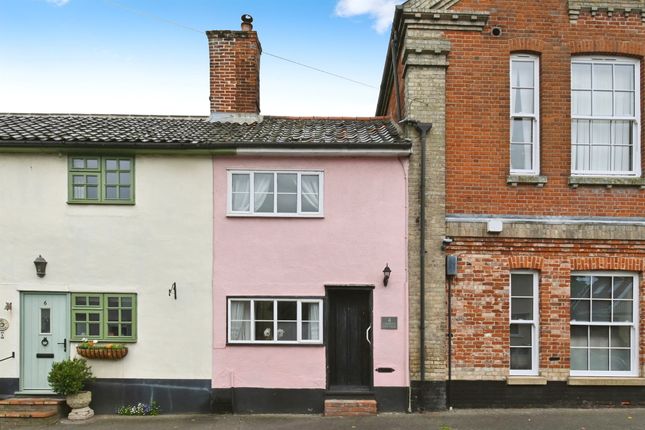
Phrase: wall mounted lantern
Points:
(386, 274)
(40, 264)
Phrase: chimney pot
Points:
(247, 21)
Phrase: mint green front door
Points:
(45, 338)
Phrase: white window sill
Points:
(525, 380)
(606, 381)
(272, 215)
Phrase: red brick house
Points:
(531, 175)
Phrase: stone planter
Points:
(80, 404)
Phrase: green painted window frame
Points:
(103, 308)
(103, 181)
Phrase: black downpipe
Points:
(394, 55)
(448, 399)
(423, 128)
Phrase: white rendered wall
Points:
(165, 237)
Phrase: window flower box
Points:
(108, 351)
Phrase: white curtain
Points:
(313, 332)
(263, 185)
(623, 146)
(523, 83)
(522, 143)
(240, 320)
(310, 190)
(241, 192)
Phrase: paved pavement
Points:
(490, 419)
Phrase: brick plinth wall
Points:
(480, 298)
(349, 408)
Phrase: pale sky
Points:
(151, 56)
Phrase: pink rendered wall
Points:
(364, 226)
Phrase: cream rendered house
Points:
(119, 223)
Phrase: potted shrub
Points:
(69, 378)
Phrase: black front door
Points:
(349, 340)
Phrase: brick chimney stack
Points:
(235, 73)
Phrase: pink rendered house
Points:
(307, 215)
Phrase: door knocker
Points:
(44, 342)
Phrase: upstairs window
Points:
(525, 114)
(275, 193)
(605, 116)
(101, 180)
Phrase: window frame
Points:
(534, 323)
(275, 300)
(535, 154)
(636, 126)
(275, 214)
(102, 308)
(101, 172)
(634, 334)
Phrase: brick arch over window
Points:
(613, 47)
(526, 262)
(608, 263)
(526, 44)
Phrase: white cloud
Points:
(58, 2)
(381, 11)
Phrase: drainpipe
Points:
(423, 128)
(448, 386)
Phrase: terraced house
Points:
(527, 176)
(248, 263)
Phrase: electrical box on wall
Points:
(451, 265)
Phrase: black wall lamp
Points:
(386, 274)
(41, 265)
(173, 290)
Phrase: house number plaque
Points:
(389, 323)
(4, 325)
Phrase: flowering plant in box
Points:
(94, 344)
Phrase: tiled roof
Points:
(193, 132)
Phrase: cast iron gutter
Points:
(80, 145)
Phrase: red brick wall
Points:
(234, 71)
(480, 297)
(391, 107)
(478, 109)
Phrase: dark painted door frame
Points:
(339, 289)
